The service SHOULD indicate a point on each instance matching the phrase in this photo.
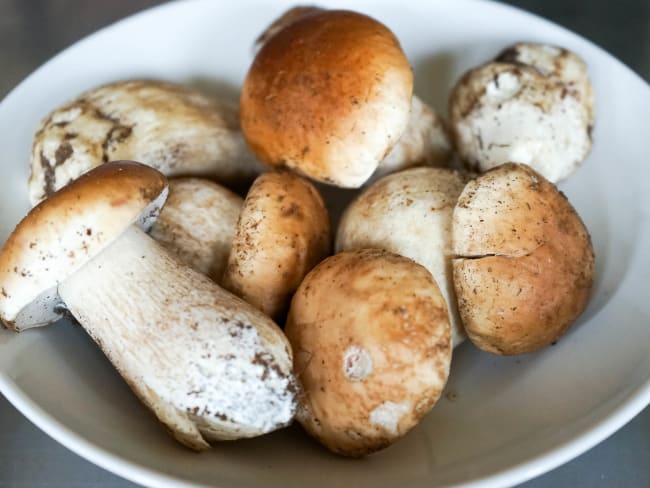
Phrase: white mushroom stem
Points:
(208, 365)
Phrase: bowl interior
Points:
(500, 419)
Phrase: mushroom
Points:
(525, 263)
(283, 232)
(281, 22)
(564, 67)
(409, 213)
(508, 111)
(328, 96)
(198, 224)
(371, 336)
(207, 364)
(424, 142)
(173, 128)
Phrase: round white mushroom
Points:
(506, 111)
(556, 63)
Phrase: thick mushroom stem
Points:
(208, 365)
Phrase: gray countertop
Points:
(32, 31)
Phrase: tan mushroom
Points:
(525, 262)
(371, 336)
(410, 213)
(173, 128)
(198, 224)
(334, 116)
(283, 232)
(207, 364)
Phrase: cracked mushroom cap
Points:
(328, 96)
(410, 213)
(68, 229)
(372, 348)
(198, 224)
(525, 264)
(282, 233)
(173, 128)
(511, 112)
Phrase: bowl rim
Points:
(587, 437)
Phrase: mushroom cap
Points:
(173, 128)
(503, 112)
(283, 232)
(328, 96)
(556, 63)
(372, 348)
(198, 224)
(525, 263)
(424, 142)
(62, 233)
(410, 213)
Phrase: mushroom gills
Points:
(208, 365)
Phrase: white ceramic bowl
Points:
(503, 420)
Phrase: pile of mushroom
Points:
(427, 254)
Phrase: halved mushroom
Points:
(173, 128)
(335, 115)
(512, 111)
(198, 224)
(282, 233)
(207, 364)
(525, 262)
(371, 336)
(409, 213)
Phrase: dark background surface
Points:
(31, 31)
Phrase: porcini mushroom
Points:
(512, 111)
(564, 67)
(173, 128)
(409, 213)
(371, 337)
(424, 142)
(525, 263)
(198, 224)
(328, 95)
(207, 364)
(282, 233)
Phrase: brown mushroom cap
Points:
(198, 224)
(372, 348)
(525, 262)
(64, 232)
(283, 232)
(328, 96)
